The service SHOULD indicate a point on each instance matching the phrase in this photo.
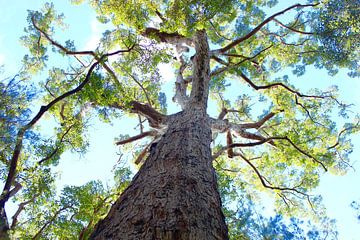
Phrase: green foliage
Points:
(285, 45)
(338, 30)
(74, 213)
(245, 221)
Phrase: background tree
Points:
(280, 145)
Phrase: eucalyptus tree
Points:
(281, 142)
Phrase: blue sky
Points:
(337, 191)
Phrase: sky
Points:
(337, 191)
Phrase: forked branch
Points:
(43, 109)
(277, 84)
(267, 20)
(267, 140)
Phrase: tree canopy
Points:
(269, 137)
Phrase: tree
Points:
(285, 143)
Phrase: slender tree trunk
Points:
(174, 195)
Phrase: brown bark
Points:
(174, 194)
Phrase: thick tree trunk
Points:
(174, 195)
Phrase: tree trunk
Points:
(4, 225)
(174, 195)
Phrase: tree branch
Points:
(38, 234)
(155, 118)
(57, 147)
(20, 209)
(229, 141)
(180, 96)
(267, 20)
(261, 122)
(292, 29)
(137, 137)
(20, 135)
(272, 85)
(56, 44)
(229, 66)
(142, 87)
(267, 140)
(342, 132)
(172, 38)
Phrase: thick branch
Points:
(201, 71)
(172, 38)
(221, 125)
(17, 188)
(180, 96)
(256, 29)
(142, 154)
(229, 141)
(137, 137)
(155, 118)
(259, 123)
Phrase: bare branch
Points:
(263, 140)
(142, 154)
(137, 137)
(222, 114)
(180, 96)
(155, 118)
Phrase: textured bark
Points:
(201, 73)
(174, 195)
